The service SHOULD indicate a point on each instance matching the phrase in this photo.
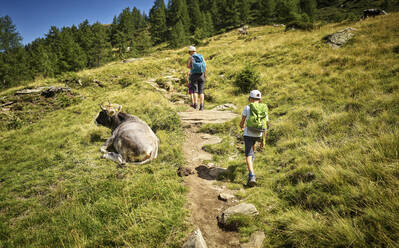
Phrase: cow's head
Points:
(108, 115)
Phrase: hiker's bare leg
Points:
(192, 98)
(202, 98)
(250, 164)
(196, 98)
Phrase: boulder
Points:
(216, 171)
(226, 218)
(255, 241)
(196, 240)
(340, 38)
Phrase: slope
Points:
(328, 177)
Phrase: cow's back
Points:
(135, 141)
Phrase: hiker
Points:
(197, 66)
(254, 124)
(190, 90)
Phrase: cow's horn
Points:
(102, 108)
(119, 108)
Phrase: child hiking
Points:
(197, 66)
(254, 124)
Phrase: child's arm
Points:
(242, 122)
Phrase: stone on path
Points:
(255, 241)
(184, 171)
(226, 197)
(243, 209)
(196, 240)
(206, 116)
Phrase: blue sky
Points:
(34, 18)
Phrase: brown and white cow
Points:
(132, 140)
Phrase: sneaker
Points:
(201, 107)
(195, 106)
(251, 181)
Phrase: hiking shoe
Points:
(251, 181)
(201, 107)
(195, 106)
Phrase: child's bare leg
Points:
(250, 164)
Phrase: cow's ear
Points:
(119, 108)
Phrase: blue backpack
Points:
(198, 64)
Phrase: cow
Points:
(373, 13)
(132, 140)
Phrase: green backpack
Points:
(257, 120)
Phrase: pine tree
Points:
(178, 35)
(177, 12)
(40, 61)
(158, 28)
(196, 17)
(72, 58)
(229, 10)
(287, 10)
(9, 37)
(265, 11)
(309, 7)
(208, 26)
(244, 10)
(100, 51)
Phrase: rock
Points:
(373, 13)
(164, 84)
(243, 209)
(225, 197)
(216, 171)
(225, 106)
(196, 240)
(340, 38)
(255, 241)
(184, 171)
(50, 92)
(30, 91)
(172, 78)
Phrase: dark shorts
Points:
(249, 144)
(197, 82)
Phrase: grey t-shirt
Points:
(247, 132)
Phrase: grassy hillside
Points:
(328, 177)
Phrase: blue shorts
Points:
(249, 142)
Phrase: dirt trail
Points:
(203, 202)
(203, 193)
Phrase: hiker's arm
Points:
(205, 70)
(189, 63)
(242, 122)
(188, 78)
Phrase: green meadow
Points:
(328, 177)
